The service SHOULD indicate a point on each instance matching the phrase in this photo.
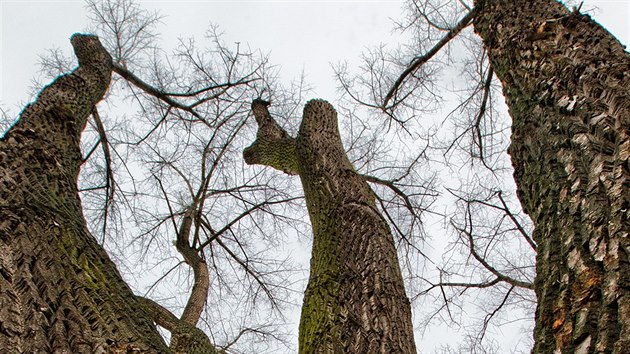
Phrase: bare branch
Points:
(127, 75)
(110, 182)
(482, 261)
(421, 60)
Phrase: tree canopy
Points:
(206, 240)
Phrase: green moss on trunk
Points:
(355, 300)
(567, 85)
(60, 292)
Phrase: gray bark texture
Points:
(567, 85)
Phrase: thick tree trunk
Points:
(567, 84)
(59, 291)
(355, 301)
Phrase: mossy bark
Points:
(567, 85)
(355, 301)
(59, 291)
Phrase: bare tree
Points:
(163, 185)
(355, 300)
(563, 78)
(59, 289)
(188, 184)
(167, 169)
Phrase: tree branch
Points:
(421, 60)
(199, 292)
(484, 263)
(274, 147)
(110, 182)
(129, 76)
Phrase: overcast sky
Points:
(300, 35)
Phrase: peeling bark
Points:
(567, 85)
(59, 291)
(355, 301)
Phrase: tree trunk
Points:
(355, 301)
(59, 291)
(567, 85)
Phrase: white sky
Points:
(300, 35)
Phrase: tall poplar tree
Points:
(566, 81)
(59, 291)
(567, 85)
(355, 301)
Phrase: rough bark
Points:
(59, 291)
(185, 337)
(355, 301)
(567, 85)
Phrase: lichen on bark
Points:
(355, 300)
(59, 291)
(567, 85)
